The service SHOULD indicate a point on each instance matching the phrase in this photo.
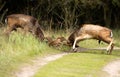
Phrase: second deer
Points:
(90, 31)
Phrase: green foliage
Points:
(91, 3)
(116, 3)
(19, 48)
(2, 4)
(65, 14)
(15, 50)
(116, 35)
(87, 63)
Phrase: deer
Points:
(25, 22)
(91, 31)
(57, 42)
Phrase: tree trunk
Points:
(107, 15)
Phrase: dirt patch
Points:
(28, 70)
(113, 69)
(82, 49)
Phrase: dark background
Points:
(65, 14)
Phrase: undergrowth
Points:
(18, 48)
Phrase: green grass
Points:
(76, 65)
(116, 34)
(85, 64)
(19, 48)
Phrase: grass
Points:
(116, 34)
(86, 64)
(19, 48)
(76, 65)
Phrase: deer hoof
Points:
(75, 49)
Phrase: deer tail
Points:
(6, 20)
(111, 34)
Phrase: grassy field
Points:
(84, 64)
(19, 48)
(77, 65)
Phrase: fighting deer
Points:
(26, 22)
(90, 31)
(58, 41)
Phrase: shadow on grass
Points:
(115, 52)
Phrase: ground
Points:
(28, 70)
(113, 69)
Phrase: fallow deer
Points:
(90, 31)
(58, 41)
(26, 22)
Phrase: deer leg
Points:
(31, 29)
(75, 42)
(26, 29)
(9, 29)
(110, 47)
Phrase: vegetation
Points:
(117, 37)
(83, 64)
(57, 18)
(77, 65)
(19, 48)
(58, 14)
